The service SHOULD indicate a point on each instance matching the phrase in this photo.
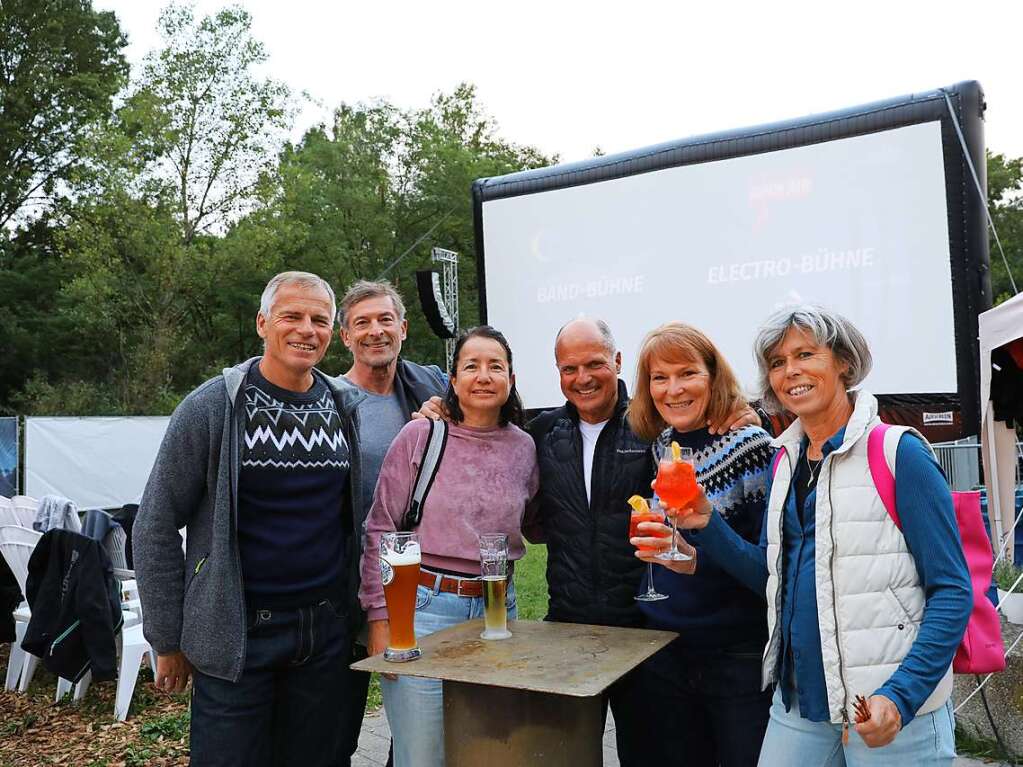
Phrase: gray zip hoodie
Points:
(196, 603)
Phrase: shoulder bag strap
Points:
(435, 444)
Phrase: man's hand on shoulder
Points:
(433, 408)
(745, 416)
(172, 672)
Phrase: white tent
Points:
(998, 326)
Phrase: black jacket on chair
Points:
(76, 607)
(592, 571)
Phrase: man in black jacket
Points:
(373, 326)
(590, 464)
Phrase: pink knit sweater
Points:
(485, 479)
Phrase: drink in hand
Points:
(641, 512)
(676, 480)
(676, 487)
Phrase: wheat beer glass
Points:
(494, 569)
(399, 569)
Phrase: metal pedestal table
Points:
(530, 699)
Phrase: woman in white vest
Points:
(856, 607)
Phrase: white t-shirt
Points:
(590, 432)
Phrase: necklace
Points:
(812, 469)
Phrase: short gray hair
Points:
(302, 279)
(363, 289)
(826, 328)
(602, 327)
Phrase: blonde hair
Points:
(678, 342)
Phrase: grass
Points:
(531, 583)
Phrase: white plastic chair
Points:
(11, 514)
(26, 507)
(131, 646)
(16, 546)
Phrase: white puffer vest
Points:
(869, 600)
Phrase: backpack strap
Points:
(435, 444)
(776, 461)
(882, 445)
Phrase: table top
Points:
(542, 656)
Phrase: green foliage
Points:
(1005, 201)
(979, 746)
(208, 126)
(350, 199)
(16, 726)
(169, 727)
(60, 66)
(1005, 576)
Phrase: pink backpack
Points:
(981, 650)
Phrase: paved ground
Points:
(376, 735)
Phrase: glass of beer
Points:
(494, 569)
(399, 569)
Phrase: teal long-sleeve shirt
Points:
(932, 535)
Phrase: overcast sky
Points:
(568, 77)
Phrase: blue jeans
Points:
(927, 740)
(283, 709)
(415, 707)
(711, 708)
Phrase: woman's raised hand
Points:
(694, 517)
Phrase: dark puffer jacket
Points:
(592, 572)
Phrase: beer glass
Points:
(494, 569)
(676, 487)
(399, 569)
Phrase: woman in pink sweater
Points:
(486, 477)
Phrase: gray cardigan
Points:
(196, 603)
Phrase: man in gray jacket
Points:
(261, 464)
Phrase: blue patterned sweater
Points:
(710, 609)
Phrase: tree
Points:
(144, 267)
(60, 66)
(352, 198)
(210, 128)
(1005, 201)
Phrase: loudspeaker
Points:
(431, 298)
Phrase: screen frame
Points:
(965, 208)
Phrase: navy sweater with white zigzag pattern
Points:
(710, 609)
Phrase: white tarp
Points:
(998, 326)
(96, 462)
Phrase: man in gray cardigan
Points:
(261, 464)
